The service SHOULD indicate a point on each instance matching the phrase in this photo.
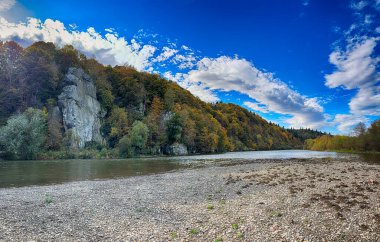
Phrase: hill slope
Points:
(142, 112)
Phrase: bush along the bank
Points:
(362, 140)
(24, 134)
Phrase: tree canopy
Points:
(24, 134)
(364, 140)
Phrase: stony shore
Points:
(276, 200)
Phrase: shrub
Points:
(135, 141)
(24, 134)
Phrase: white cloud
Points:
(368, 19)
(203, 92)
(5, 5)
(257, 107)
(346, 122)
(366, 101)
(184, 61)
(357, 68)
(166, 54)
(359, 5)
(108, 49)
(233, 74)
(197, 89)
(178, 77)
(354, 67)
(109, 30)
(185, 47)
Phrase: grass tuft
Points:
(173, 235)
(194, 231)
(48, 199)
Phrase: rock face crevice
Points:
(80, 109)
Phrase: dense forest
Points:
(363, 139)
(143, 113)
(305, 134)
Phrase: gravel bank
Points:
(291, 200)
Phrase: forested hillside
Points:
(304, 134)
(142, 113)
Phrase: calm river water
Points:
(28, 173)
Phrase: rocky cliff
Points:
(80, 109)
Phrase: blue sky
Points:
(300, 63)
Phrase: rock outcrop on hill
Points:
(176, 149)
(80, 109)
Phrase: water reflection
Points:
(24, 173)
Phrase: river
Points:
(45, 172)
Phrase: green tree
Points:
(54, 138)
(125, 147)
(117, 125)
(373, 136)
(67, 57)
(170, 99)
(174, 129)
(309, 144)
(359, 129)
(208, 141)
(10, 60)
(153, 120)
(189, 130)
(41, 80)
(135, 141)
(223, 144)
(139, 136)
(11, 95)
(24, 134)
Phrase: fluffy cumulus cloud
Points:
(345, 122)
(5, 5)
(184, 61)
(166, 54)
(357, 68)
(109, 49)
(234, 74)
(366, 101)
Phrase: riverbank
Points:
(353, 151)
(313, 200)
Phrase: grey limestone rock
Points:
(177, 149)
(80, 109)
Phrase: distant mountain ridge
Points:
(138, 110)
